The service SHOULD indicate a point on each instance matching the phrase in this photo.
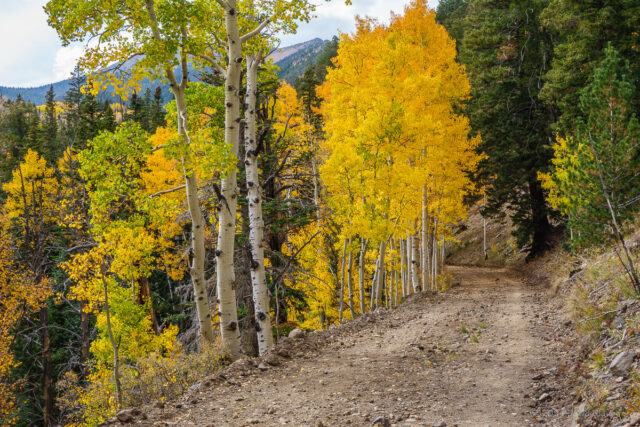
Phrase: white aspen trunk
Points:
(372, 294)
(403, 261)
(425, 239)
(395, 288)
(442, 254)
(261, 301)
(484, 238)
(415, 263)
(350, 282)
(484, 233)
(342, 276)
(226, 276)
(379, 281)
(409, 253)
(363, 252)
(392, 259)
(434, 260)
(316, 192)
(387, 284)
(198, 252)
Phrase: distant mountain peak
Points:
(285, 52)
(292, 61)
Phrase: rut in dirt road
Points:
(464, 357)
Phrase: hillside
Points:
(295, 59)
(292, 61)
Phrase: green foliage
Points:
(207, 152)
(506, 51)
(607, 143)
(112, 167)
(581, 32)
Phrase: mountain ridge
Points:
(292, 60)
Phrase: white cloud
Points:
(66, 60)
(334, 17)
(28, 44)
(32, 54)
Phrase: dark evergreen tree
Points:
(108, 118)
(51, 141)
(136, 111)
(147, 104)
(72, 102)
(450, 14)
(324, 59)
(581, 31)
(157, 113)
(19, 130)
(506, 52)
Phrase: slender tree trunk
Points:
(395, 288)
(425, 240)
(386, 285)
(415, 263)
(256, 222)
(392, 271)
(115, 346)
(316, 191)
(84, 334)
(380, 276)
(484, 232)
(363, 251)
(342, 277)
(631, 270)
(198, 252)
(47, 370)
(443, 252)
(434, 259)
(227, 219)
(350, 282)
(403, 261)
(409, 252)
(144, 296)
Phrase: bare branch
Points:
(255, 31)
(291, 258)
(211, 62)
(171, 190)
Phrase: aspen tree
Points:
(342, 277)
(363, 250)
(157, 42)
(415, 262)
(256, 222)
(350, 281)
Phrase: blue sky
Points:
(32, 55)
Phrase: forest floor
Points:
(483, 353)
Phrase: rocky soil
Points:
(493, 350)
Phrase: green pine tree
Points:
(506, 51)
(581, 31)
(51, 145)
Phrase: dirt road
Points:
(476, 355)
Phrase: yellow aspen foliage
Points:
(20, 294)
(392, 126)
(393, 138)
(32, 189)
